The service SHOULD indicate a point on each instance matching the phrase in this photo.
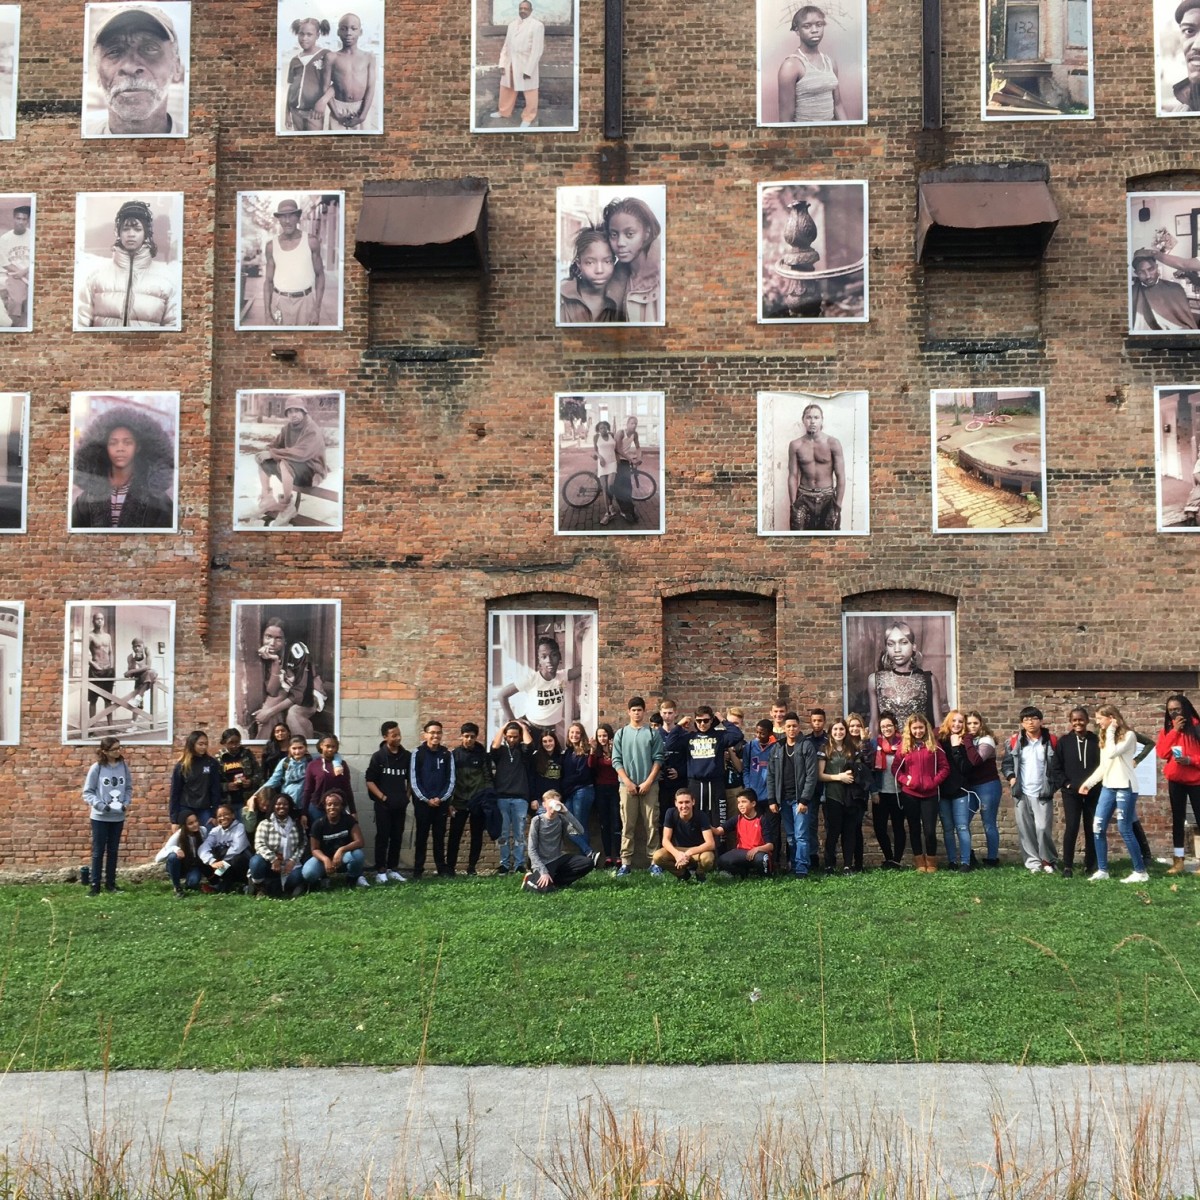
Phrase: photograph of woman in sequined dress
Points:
(899, 663)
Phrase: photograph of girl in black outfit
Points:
(123, 474)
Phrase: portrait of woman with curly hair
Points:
(123, 466)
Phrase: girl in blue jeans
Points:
(954, 802)
(1118, 794)
(984, 781)
(579, 782)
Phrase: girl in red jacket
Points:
(920, 768)
(1179, 746)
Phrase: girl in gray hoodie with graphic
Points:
(108, 792)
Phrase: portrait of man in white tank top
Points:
(812, 63)
(289, 260)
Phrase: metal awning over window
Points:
(422, 225)
(999, 219)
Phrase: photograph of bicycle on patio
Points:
(608, 452)
(989, 461)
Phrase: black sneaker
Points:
(595, 858)
(93, 891)
(503, 870)
(700, 876)
(1067, 872)
(528, 884)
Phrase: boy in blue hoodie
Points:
(432, 783)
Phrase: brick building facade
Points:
(450, 379)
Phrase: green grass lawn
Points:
(995, 966)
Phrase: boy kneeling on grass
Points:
(689, 849)
(750, 838)
(552, 868)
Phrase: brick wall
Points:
(449, 464)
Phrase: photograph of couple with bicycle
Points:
(608, 463)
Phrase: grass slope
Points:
(990, 967)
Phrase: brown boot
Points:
(919, 863)
(1177, 867)
(931, 864)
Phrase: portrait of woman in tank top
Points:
(289, 260)
(811, 64)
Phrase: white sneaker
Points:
(1035, 870)
(396, 877)
(1048, 868)
(1136, 877)
(382, 877)
(1098, 876)
(362, 881)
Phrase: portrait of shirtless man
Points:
(816, 476)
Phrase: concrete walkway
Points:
(931, 1130)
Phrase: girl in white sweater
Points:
(1118, 791)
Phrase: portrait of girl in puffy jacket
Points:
(132, 284)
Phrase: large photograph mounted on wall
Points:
(1036, 60)
(899, 663)
(10, 62)
(1177, 457)
(17, 212)
(525, 66)
(284, 659)
(124, 475)
(135, 69)
(612, 255)
(119, 671)
(1177, 57)
(812, 252)
(813, 463)
(542, 671)
(812, 63)
(329, 68)
(14, 460)
(128, 261)
(1164, 262)
(608, 461)
(288, 463)
(989, 460)
(12, 615)
(289, 260)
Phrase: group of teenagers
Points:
(696, 792)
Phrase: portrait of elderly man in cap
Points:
(128, 271)
(135, 70)
(290, 256)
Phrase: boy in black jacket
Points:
(387, 783)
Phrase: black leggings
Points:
(1180, 794)
(887, 816)
(921, 817)
(841, 825)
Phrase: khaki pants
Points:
(705, 861)
(633, 805)
(508, 102)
